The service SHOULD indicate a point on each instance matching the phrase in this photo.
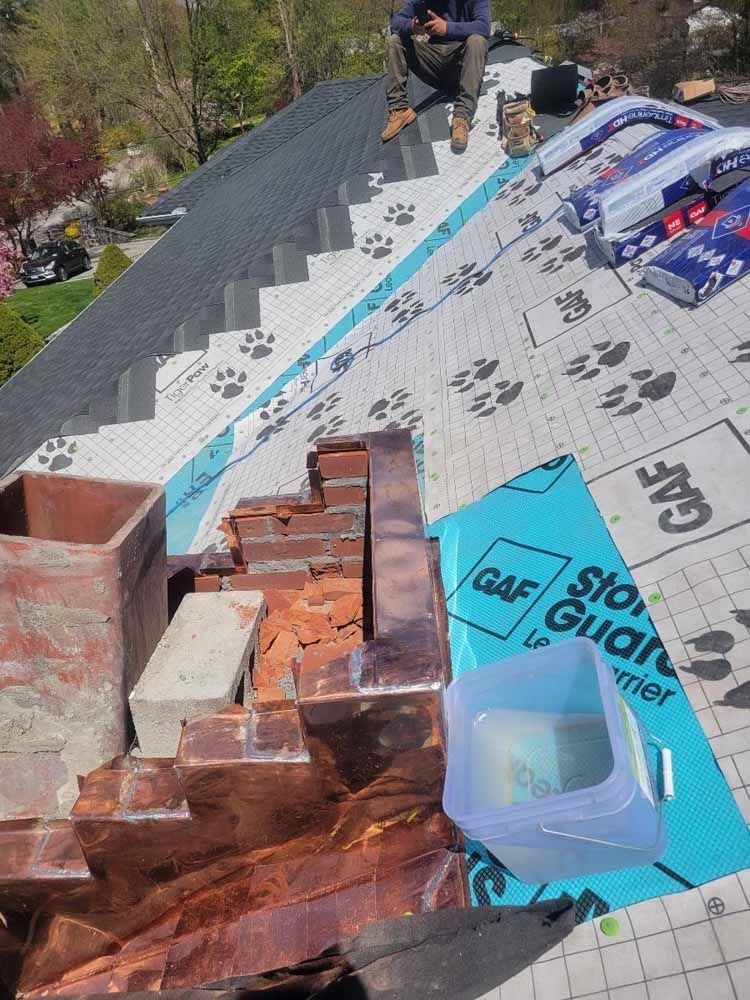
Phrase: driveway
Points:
(134, 249)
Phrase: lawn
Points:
(48, 307)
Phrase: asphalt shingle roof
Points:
(233, 222)
(247, 199)
(316, 104)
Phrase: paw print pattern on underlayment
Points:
(277, 424)
(273, 408)
(636, 266)
(652, 387)
(325, 412)
(493, 130)
(401, 215)
(272, 416)
(377, 246)
(567, 256)
(519, 197)
(392, 407)
(610, 356)
(486, 398)
(537, 250)
(510, 190)
(257, 344)
(716, 667)
(529, 221)
(56, 453)
(405, 307)
(375, 185)
(596, 162)
(466, 278)
(743, 357)
(518, 192)
(229, 383)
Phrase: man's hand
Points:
(436, 25)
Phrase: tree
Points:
(6, 272)
(19, 342)
(287, 16)
(120, 60)
(12, 14)
(112, 263)
(39, 169)
(247, 70)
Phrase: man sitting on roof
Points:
(448, 51)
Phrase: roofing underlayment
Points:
(333, 286)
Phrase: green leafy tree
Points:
(112, 263)
(122, 59)
(12, 17)
(247, 70)
(19, 342)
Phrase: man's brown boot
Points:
(459, 135)
(397, 120)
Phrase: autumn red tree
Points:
(39, 169)
(6, 272)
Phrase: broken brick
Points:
(314, 595)
(308, 635)
(294, 580)
(280, 600)
(319, 656)
(207, 584)
(334, 588)
(351, 631)
(284, 649)
(345, 610)
(269, 630)
(325, 569)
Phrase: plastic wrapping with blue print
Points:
(612, 117)
(714, 255)
(581, 207)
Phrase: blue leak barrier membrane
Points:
(610, 118)
(190, 491)
(530, 564)
(714, 255)
(581, 208)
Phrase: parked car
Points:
(54, 262)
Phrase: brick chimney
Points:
(82, 606)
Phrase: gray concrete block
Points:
(197, 667)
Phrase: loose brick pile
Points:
(283, 543)
(307, 555)
(315, 626)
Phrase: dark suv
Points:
(54, 262)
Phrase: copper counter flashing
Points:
(279, 828)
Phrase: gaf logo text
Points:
(503, 585)
(493, 582)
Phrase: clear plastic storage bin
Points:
(550, 769)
